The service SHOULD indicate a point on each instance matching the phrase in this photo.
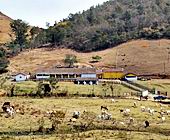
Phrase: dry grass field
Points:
(140, 56)
(4, 28)
(23, 125)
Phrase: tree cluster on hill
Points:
(108, 25)
(3, 60)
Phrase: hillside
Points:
(5, 30)
(140, 56)
(110, 24)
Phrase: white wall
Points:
(88, 75)
(20, 77)
(42, 76)
(131, 78)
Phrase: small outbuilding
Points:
(131, 77)
(21, 77)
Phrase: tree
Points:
(96, 58)
(70, 59)
(34, 31)
(3, 60)
(12, 90)
(20, 30)
(44, 89)
(56, 34)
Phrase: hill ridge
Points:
(5, 30)
(2, 15)
(112, 23)
(134, 56)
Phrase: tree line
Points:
(100, 27)
(110, 24)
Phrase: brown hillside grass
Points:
(4, 28)
(140, 56)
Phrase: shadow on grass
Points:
(153, 130)
(25, 133)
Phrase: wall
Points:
(112, 75)
(20, 77)
(132, 78)
(42, 76)
(88, 75)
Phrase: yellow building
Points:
(111, 74)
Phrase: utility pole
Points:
(116, 57)
(168, 53)
(164, 67)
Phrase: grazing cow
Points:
(143, 108)
(76, 114)
(144, 97)
(113, 100)
(135, 104)
(146, 124)
(122, 123)
(105, 116)
(125, 112)
(73, 120)
(162, 119)
(168, 112)
(130, 121)
(10, 111)
(5, 106)
(104, 107)
(151, 111)
(121, 110)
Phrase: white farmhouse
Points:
(78, 75)
(21, 77)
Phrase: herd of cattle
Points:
(12, 110)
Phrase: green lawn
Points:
(96, 89)
(71, 88)
(161, 85)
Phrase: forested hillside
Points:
(110, 24)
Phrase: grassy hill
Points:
(5, 30)
(139, 56)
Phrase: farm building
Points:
(111, 74)
(79, 75)
(20, 77)
(131, 77)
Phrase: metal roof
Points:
(67, 71)
(113, 70)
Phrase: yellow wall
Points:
(112, 75)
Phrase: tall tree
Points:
(35, 31)
(20, 29)
(70, 59)
(3, 60)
